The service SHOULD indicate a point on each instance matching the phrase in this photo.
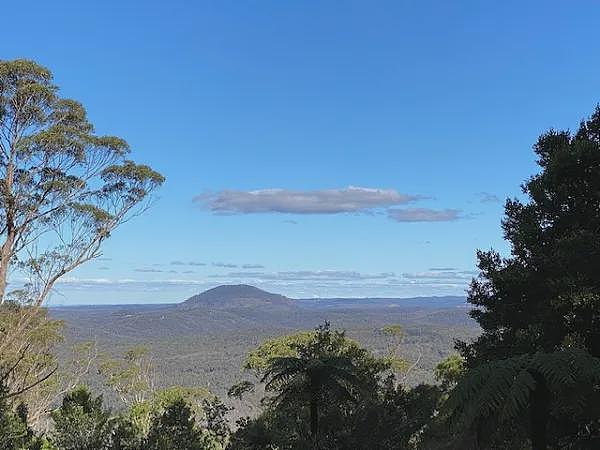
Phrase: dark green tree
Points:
(546, 295)
(215, 419)
(317, 378)
(15, 434)
(126, 435)
(81, 422)
(176, 429)
(542, 303)
(395, 420)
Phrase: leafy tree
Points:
(15, 434)
(126, 435)
(546, 295)
(334, 342)
(395, 420)
(450, 371)
(81, 423)
(539, 308)
(63, 189)
(396, 335)
(175, 429)
(140, 414)
(215, 420)
(31, 371)
(132, 376)
(321, 374)
(503, 391)
(28, 362)
(252, 434)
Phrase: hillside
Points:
(205, 339)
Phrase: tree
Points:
(399, 365)
(543, 386)
(132, 376)
(14, 432)
(546, 295)
(31, 371)
(316, 377)
(539, 308)
(175, 429)
(215, 420)
(396, 419)
(81, 423)
(63, 189)
(28, 362)
(449, 371)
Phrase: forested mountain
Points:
(237, 296)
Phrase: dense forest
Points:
(529, 380)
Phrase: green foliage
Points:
(175, 429)
(215, 421)
(14, 431)
(260, 358)
(126, 435)
(132, 376)
(539, 309)
(239, 389)
(449, 371)
(546, 293)
(395, 420)
(501, 391)
(141, 413)
(81, 423)
(331, 393)
(396, 335)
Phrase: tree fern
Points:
(502, 390)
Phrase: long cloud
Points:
(325, 201)
(424, 215)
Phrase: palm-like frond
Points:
(502, 388)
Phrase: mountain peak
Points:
(237, 296)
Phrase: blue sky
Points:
(314, 148)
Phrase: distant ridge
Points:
(237, 296)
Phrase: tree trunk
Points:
(6, 251)
(539, 413)
(5, 256)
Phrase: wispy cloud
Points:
(253, 266)
(145, 270)
(225, 265)
(325, 201)
(308, 275)
(424, 215)
(487, 197)
(187, 263)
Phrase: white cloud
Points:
(325, 201)
(424, 215)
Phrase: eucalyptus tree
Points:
(63, 189)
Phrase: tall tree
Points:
(546, 295)
(316, 377)
(81, 423)
(541, 305)
(176, 429)
(63, 189)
